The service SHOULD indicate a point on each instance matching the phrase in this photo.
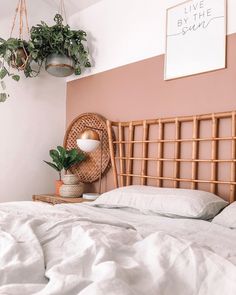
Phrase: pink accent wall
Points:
(138, 91)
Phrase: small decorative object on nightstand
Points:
(71, 187)
(64, 159)
(72, 190)
(53, 199)
(70, 179)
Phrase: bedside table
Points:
(54, 199)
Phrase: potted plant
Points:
(60, 47)
(64, 159)
(14, 53)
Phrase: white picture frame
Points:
(195, 38)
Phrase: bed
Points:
(140, 237)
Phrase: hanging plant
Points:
(60, 47)
(10, 56)
(14, 52)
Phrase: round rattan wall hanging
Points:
(88, 171)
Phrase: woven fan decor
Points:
(88, 171)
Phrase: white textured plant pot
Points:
(71, 190)
(70, 179)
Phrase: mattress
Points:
(80, 249)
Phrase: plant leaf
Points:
(53, 166)
(3, 73)
(62, 151)
(72, 154)
(16, 78)
(3, 85)
(3, 97)
(80, 157)
(78, 71)
(54, 154)
(75, 160)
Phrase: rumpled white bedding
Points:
(79, 249)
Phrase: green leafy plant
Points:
(64, 159)
(13, 53)
(44, 41)
(60, 39)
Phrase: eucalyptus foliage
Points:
(64, 159)
(44, 41)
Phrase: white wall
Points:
(126, 31)
(31, 122)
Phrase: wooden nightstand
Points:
(54, 199)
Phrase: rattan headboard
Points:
(196, 152)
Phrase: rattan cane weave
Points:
(89, 170)
(203, 158)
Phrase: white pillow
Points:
(164, 201)
(227, 217)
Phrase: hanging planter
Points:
(14, 57)
(18, 47)
(14, 52)
(59, 65)
(68, 54)
(60, 48)
(19, 59)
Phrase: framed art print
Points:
(195, 38)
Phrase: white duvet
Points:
(78, 249)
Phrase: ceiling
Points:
(45, 6)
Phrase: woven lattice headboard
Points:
(196, 152)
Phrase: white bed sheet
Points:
(219, 239)
(87, 250)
